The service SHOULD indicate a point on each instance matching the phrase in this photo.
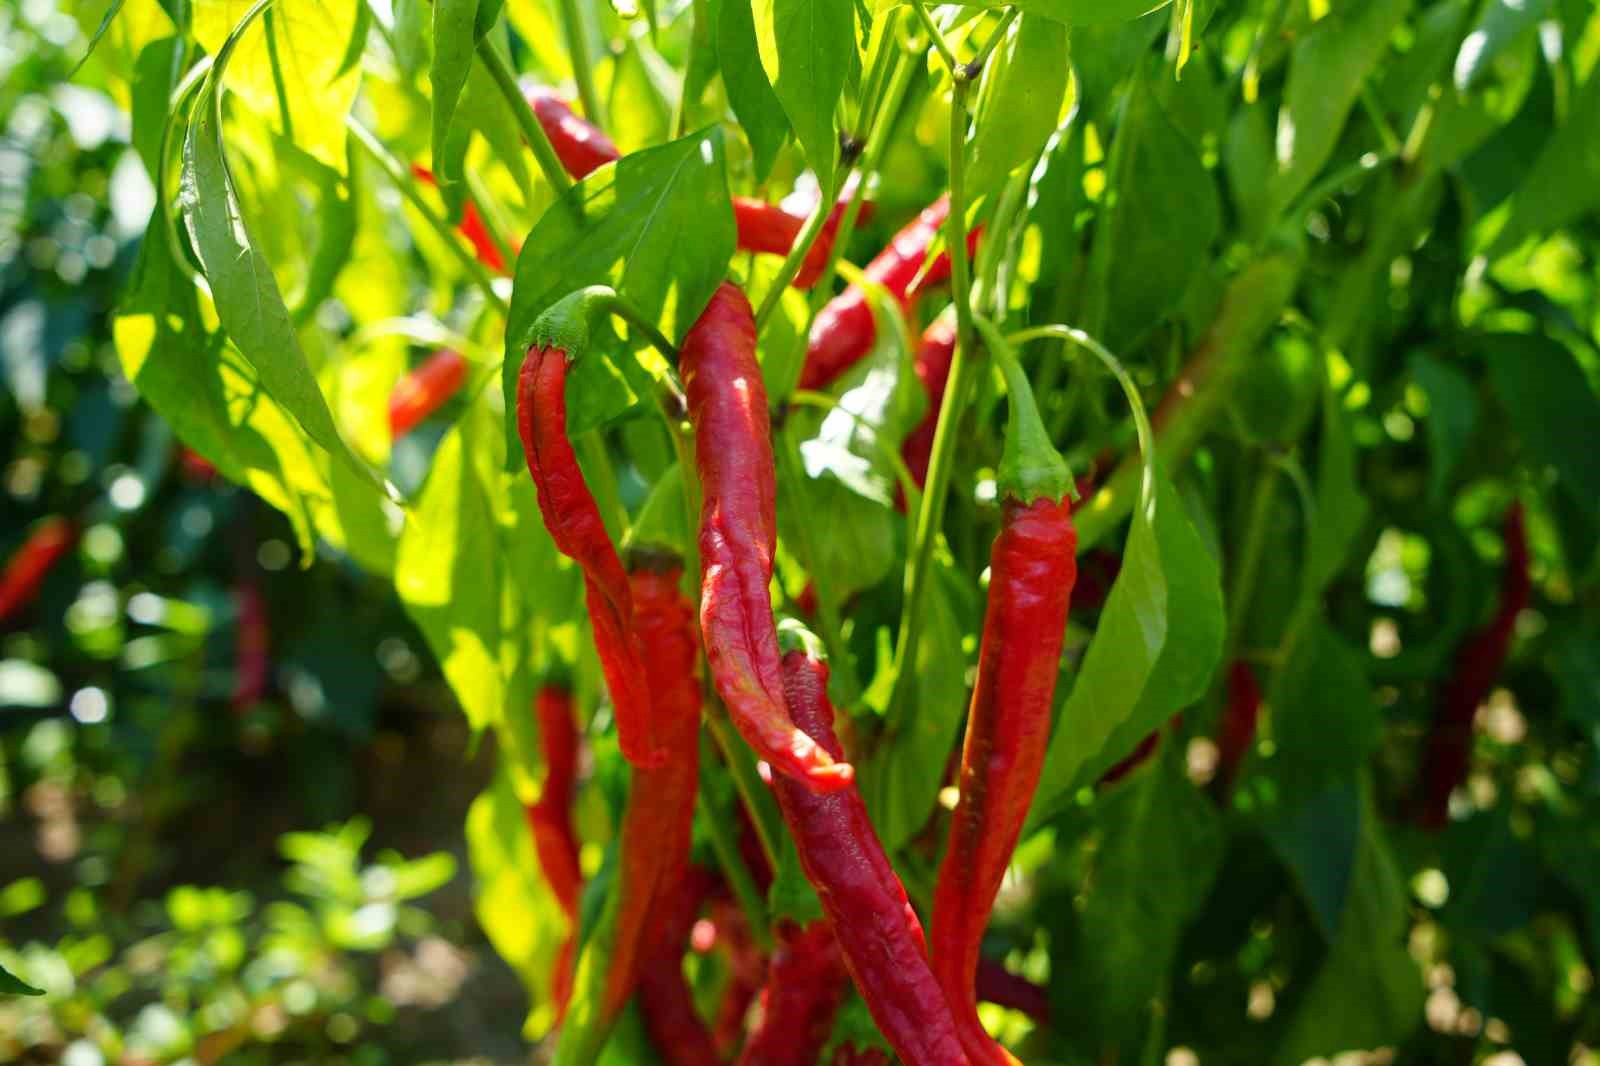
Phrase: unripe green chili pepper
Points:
(573, 518)
(805, 986)
(653, 847)
(866, 905)
(555, 841)
(425, 390)
(1031, 571)
(738, 536)
(1448, 748)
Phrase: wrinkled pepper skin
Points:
(875, 925)
(32, 562)
(573, 519)
(805, 986)
(653, 850)
(1008, 727)
(932, 366)
(580, 145)
(425, 390)
(844, 330)
(555, 841)
(1447, 754)
(738, 536)
(675, 1027)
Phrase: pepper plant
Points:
(1111, 478)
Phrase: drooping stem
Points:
(543, 151)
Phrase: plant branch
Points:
(539, 141)
(578, 52)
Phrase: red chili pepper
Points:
(747, 971)
(471, 226)
(844, 330)
(805, 986)
(850, 1055)
(196, 467)
(1031, 572)
(555, 841)
(253, 646)
(1448, 751)
(932, 365)
(1133, 760)
(738, 536)
(34, 559)
(1000, 986)
(573, 518)
(1238, 727)
(425, 390)
(670, 1018)
(764, 227)
(876, 927)
(653, 850)
(580, 145)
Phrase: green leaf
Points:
(750, 94)
(1085, 12)
(657, 226)
(1369, 991)
(289, 68)
(1160, 848)
(11, 985)
(1564, 183)
(1452, 413)
(1500, 25)
(155, 74)
(1162, 223)
(1157, 644)
(1341, 508)
(1019, 100)
(94, 39)
(1319, 840)
(454, 43)
(246, 294)
(806, 49)
(1325, 722)
(1552, 405)
(1329, 66)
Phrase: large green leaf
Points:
(1452, 412)
(1019, 100)
(1325, 723)
(750, 94)
(807, 47)
(1329, 66)
(12, 985)
(1318, 841)
(1500, 25)
(1552, 405)
(657, 226)
(1157, 644)
(1564, 182)
(454, 42)
(1085, 12)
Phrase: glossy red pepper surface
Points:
(805, 986)
(932, 366)
(1031, 569)
(425, 390)
(738, 536)
(555, 840)
(581, 146)
(874, 923)
(32, 562)
(770, 228)
(1447, 754)
(573, 518)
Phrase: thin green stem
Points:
(572, 29)
(493, 218)
(733, 865)
(958, 387)
(408, 188)
(624, 309)
(797, 253)
(976, 66)
(936, 36)
(543, 151)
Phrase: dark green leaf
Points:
(749, 92)
(1552, 405)
(1564, 183)
(1452, 412)
(1341, 508)
(1324, 720)
(1019, 100)
(454, 42)
(806, 49)
(1319, 840)
(156, 73)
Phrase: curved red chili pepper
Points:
(764, 227)
(675, 1027)
(653, 848)
(738, 536)
(805, 986)
(1448, 751)
(581, 146)
(253, 646)
(877, 930)
(424, 390)
(34, 559)
(471, 226)
(844, 330)
(1238, 727)
(1031, 570)
(573, 518)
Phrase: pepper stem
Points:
(1030, 466)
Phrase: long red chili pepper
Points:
(581, 146)
(471, 226)
(555, 841)
(670, 1018)
(932, 365)
(738, 536)
(844, 330)
(1237, 731)
(34, 559)
(866, 905)
(1031, 572)
(1449, 744)
(805, 986)
(573, 518)
(653, 851)
(425, 390)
